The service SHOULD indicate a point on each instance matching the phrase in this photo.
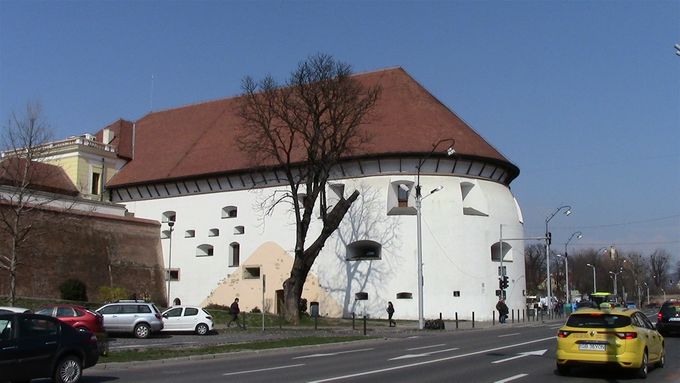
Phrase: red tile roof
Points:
(41, 176)
(199, 140)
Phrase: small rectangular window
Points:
(456, 293)
(251, 272)
(172, 274)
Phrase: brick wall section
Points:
(96, 249)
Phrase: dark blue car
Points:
(37, 346)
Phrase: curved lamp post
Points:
(594, 277)
(578, 235)
(567, 211)
(171, 225)
(419, 199)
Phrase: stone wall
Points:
(97, 249)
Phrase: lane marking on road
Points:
(504, 335)
(521, 355)
(424, 347)
(409, 356)
(371, 372)
(263, 369)
(555, 327)
(333, 353)
(515, 377)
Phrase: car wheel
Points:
(562, 370)
(201, 329)
(662, 360)
(644, 369)
(68, 370)
(142, 331)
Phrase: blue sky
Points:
(583, 96)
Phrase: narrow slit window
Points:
(234, 254)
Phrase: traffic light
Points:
(549, 238)
(503, 282)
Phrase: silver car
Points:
(129, 316)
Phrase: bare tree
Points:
(303, 129)
(659, 263)
(534, 261)
(21, 176)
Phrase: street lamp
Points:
(615, 274)
(594, 277)
(647, 286)
(548, 239)
(578, 235)
(171, 225)
(419, 199)
(566, 270)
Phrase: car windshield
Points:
(598, 320)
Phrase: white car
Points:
(187, 318)
(10, 309)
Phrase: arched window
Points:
(229, 212)
(496, 252)
(204, 250)
(363, 250)
(169, 216)
(234, 254)
(400, 199)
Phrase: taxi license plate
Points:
(592, 347)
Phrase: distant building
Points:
(185, 167)
(73, 237)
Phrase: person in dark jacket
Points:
(502, 310)
(235, 310)
(390, 312)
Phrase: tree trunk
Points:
(292, 287)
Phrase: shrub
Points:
(111, 294)
(73, 290)
(256, 310)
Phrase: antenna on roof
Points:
(151, 94)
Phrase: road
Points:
(502, 354)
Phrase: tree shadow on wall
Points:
(366, 220)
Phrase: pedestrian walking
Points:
(235, 310)
(502, 310)
(390, 312)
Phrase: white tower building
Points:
(187, 168)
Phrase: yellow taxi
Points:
(616, 336)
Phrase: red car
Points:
(77, 316)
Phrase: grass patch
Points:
(154, 354)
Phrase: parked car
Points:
(131, 316)
(38, 346)
(77, 316)
(668, 318)
(619, 336)
(187, 318)
(10, 309)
